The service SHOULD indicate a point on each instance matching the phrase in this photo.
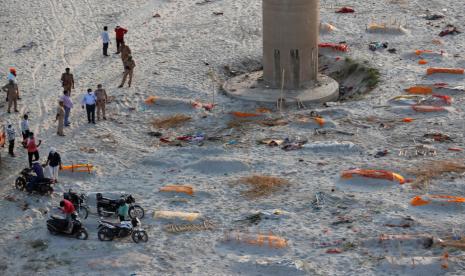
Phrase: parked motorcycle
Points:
(43, 187)
(79, 202)
(107, 231)
(58, 226)
(108, 207)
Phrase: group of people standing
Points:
(92, 101)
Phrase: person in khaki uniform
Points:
(125, 53)
(67, 81)
(102, 99)
(12, 93)
(128, 71)
(60, 118)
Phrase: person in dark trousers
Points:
(89, 102)
(105, 41)
(67, 81)
(54, 164)
(32, 148)
(11, 135)
(39, 176)
(120, 32)
(25, 128)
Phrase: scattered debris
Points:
(155, 134)
(450, 30)
(26, 47)
(218, 13)
(373, 46)
(88, 150)
(345, 10)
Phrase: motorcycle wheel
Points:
(139, 236)
(83, 212)
(104, 234)
(20, 183)
(136, 211)
(43, 189)
(81, 234)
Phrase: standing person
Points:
(128, 70)
(125, 52)
(60, 118)
(54, 164)
(25, 128)
(102, 99)
(11, 135)
(89, 101)
(67, 80)
(67, 105)
(12, 76)
(32, 148)
(120, 32)
(12, 93)
(105, 40)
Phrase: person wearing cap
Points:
(54, 164)
(10, 135)
(128, 71)
(12, 93)
(12, 75)
(120, 32)
(102, 99)
(67, 81)
(67, 105)
(89, 101)
(60, 118)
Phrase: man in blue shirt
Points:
(105, 40)
(89, 101)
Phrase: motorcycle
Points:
(107, 231)
(79, 202)
(108, 207)
(43, 187)
(57, 225)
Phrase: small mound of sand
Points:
(261, 185)
(218, 166)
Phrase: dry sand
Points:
(171, 53)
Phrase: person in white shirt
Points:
(106, 40)
(25, 127)
(10, 135)
(89, 101)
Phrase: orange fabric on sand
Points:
(244, 115)
(150, 100)
(456, 71)
(419, 90)
(320, 121)
(422, 62)
(178, 189)
(2, 139)
(78, 168)
(408, 120)
(377, 174)
(427, 199)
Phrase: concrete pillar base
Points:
(251, 87)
